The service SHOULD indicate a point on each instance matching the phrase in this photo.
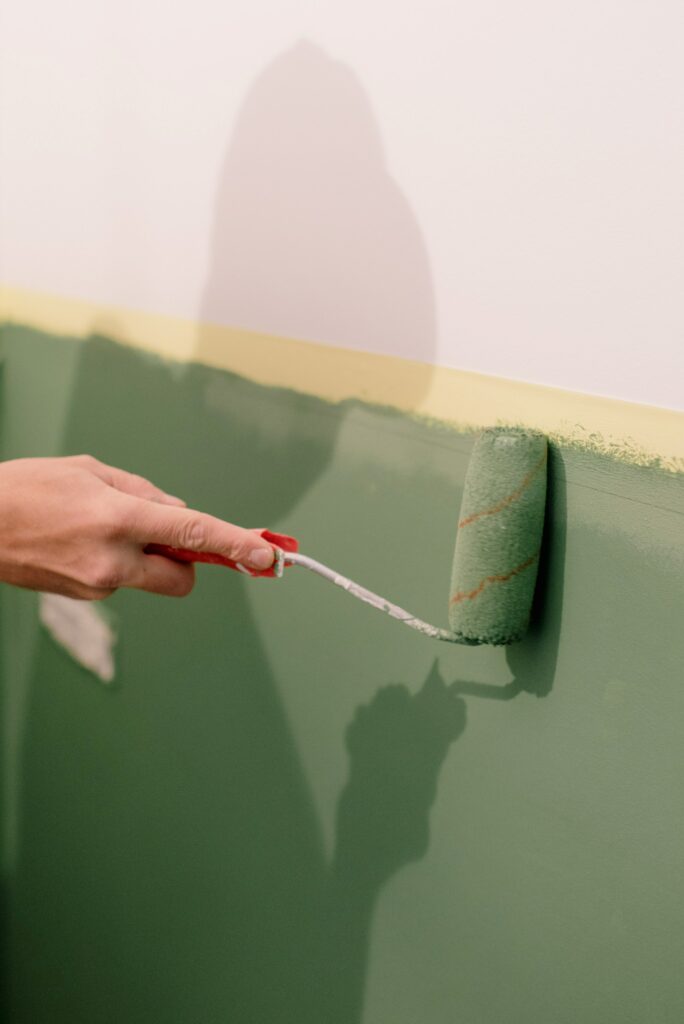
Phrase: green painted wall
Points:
(288, 808)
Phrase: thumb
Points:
(153, 523)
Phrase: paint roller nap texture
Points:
(499, 537)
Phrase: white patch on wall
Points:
(83, 629)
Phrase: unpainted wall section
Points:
(492, 186)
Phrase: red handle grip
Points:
(280, 540)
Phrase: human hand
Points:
(78, 527)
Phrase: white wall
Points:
(494, 186)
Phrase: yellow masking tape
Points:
(463, 399)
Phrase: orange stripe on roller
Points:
(469, 595)
(513, 496)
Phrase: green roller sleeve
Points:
(499, 537)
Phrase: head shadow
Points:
(313, 239)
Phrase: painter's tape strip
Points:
(84, 630)
(636, 433)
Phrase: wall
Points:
(268, 257)
(492, 187)
(288, 807)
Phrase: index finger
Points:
(153, 523)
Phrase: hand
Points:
(78, 527)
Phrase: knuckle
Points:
(241, 551)
(115, 520)
(85, 460)
(193, 534)
(106, 525)
(105, 574)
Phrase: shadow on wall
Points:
(196, 838)
(313, 237)
(175, 808)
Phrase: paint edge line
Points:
(461, 399)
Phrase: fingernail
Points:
(260, 558)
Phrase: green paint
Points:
(262, 822)
(575, 439)
(499, 537)
(36, 387)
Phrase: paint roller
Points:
(497, 545)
